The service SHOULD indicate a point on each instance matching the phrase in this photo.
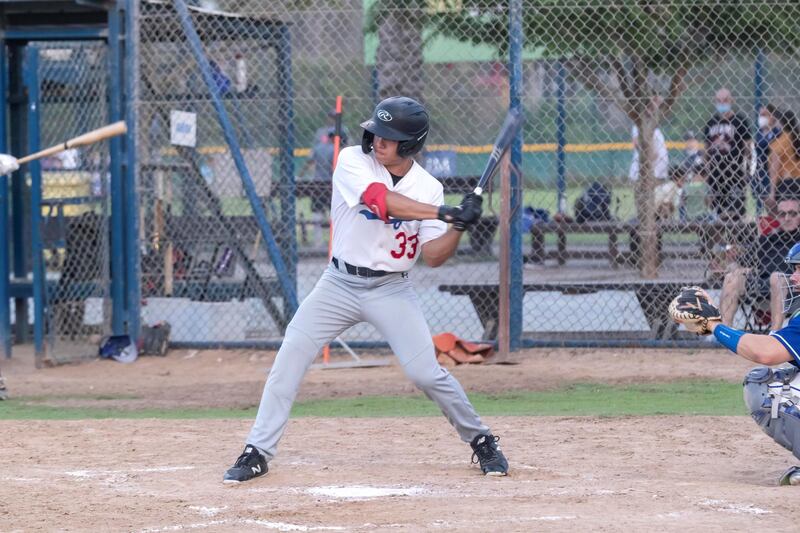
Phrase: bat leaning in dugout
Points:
(771, 391)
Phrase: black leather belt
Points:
(363, 272)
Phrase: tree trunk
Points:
(399, 54)
(645, 202)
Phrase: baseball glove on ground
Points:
(693, 308)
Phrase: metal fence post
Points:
(561, 137)
(17, 123)
(131, 224)
(5, 315)
(758, 82)
(116, 189)
(515, 93)
(31, 78)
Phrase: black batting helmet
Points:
(398, 118)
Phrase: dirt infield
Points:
(388, 474)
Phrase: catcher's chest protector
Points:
(773, 396)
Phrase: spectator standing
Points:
(727, 137)
(784, 159)
(694, 199)
(660, 155)
(768, 130)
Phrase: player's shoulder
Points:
(425, 178)
(353, 153)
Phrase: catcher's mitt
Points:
(693, 308)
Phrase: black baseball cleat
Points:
(487, 452)
(249, 465)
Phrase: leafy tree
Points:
(399, 25)
(636, 53)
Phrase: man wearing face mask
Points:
(727, 137)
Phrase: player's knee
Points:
(756, 393)
(764, 386)
(426, 378)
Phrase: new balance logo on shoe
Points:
(249, 465)
(487, 452)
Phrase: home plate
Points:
(361, 492)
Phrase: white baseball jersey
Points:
(359, 236)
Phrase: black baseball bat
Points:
(508, 131)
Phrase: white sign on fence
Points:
(183, 128)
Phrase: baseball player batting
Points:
(771, 394)
(387, 211)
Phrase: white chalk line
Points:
(727, 507)
(279, 526)
(365, 492)
(207, 511)
(102, 473)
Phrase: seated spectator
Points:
(668, 196)
(761, 267)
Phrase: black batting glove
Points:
(471, 212)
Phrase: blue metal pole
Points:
(516, 291)
(284, 279)
(374, 84)
(35, 168)
(19, 232)
(288, 197)
(561, 137)
(758, 82)
(5, 314)
(131, 222)
(117, 200)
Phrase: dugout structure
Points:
(61, 74)
(140, 227)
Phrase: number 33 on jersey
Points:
(360, 237)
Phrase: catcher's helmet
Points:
(398, 118)
(791, 304)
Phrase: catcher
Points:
(771, 394)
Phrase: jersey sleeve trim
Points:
(788, 346)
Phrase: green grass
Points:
(679, 398)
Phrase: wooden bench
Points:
(709, 233)
(653, 297)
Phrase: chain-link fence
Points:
(70, 98)
(608, 235)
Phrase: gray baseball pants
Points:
(338, 301)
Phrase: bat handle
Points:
(478, 191)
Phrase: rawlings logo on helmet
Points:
(384, 115)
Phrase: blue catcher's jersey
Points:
(789, 336)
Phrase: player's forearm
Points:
(403, 207)
(439, 250)
(761, 349)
